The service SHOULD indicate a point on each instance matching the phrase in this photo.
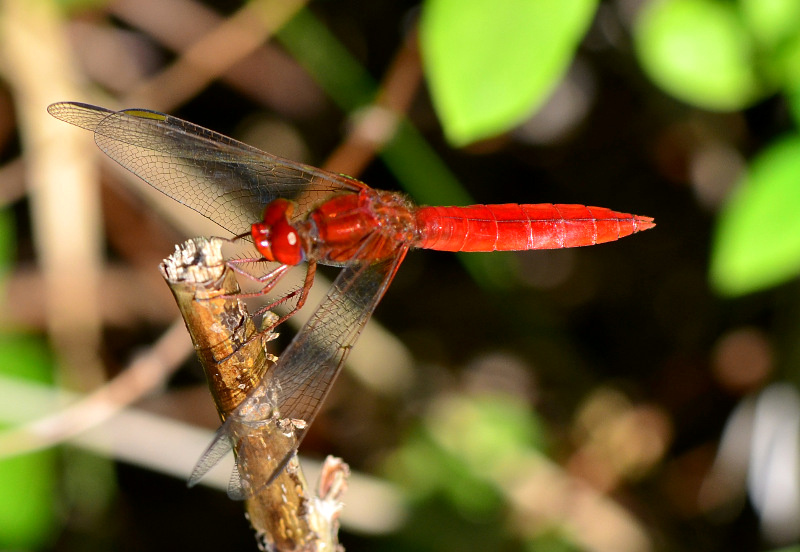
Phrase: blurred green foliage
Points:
(700, 52)
(28, 482)
(788, 549)
(452, 465)
(489, 68)
(757, 242)
(727, 56)
(80, 5)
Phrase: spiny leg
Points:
(269, 280)
(302, 293)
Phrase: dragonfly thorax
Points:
(363, 226)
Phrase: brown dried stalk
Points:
(286, 515)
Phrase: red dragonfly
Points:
(297, 213)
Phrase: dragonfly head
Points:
(275, 238)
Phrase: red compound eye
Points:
(286, 247)
(275, 238)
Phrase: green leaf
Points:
(27, 504)
(491, 65)
(699, 51)
(757, 239)
(427, 470)
(28, 483)
(788, 61)
(484, 431)
(772, 22)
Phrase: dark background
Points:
(617, 353)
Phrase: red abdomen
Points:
(514, 227)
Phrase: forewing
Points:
(221, 178)
(262, 452)
(263, 448)
(216, 451)
(310, 364)
(235, 490)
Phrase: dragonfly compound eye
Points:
(274, 237)
(262, 237)
(286, 246)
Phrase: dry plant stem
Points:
(62, 186)
(267, 76)
(286, 515)
(210, 57)
(147, 372)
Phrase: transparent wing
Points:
(221, 178)
(216, 451)
(230, 182)
(262, 451)
(263, 441)
(235, 490)
(308, 367)
(311, 362)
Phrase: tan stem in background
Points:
(63, 186)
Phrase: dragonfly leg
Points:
(270, 279)
(301, 294)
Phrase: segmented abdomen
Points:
(514, 227)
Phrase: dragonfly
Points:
(296, 213)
